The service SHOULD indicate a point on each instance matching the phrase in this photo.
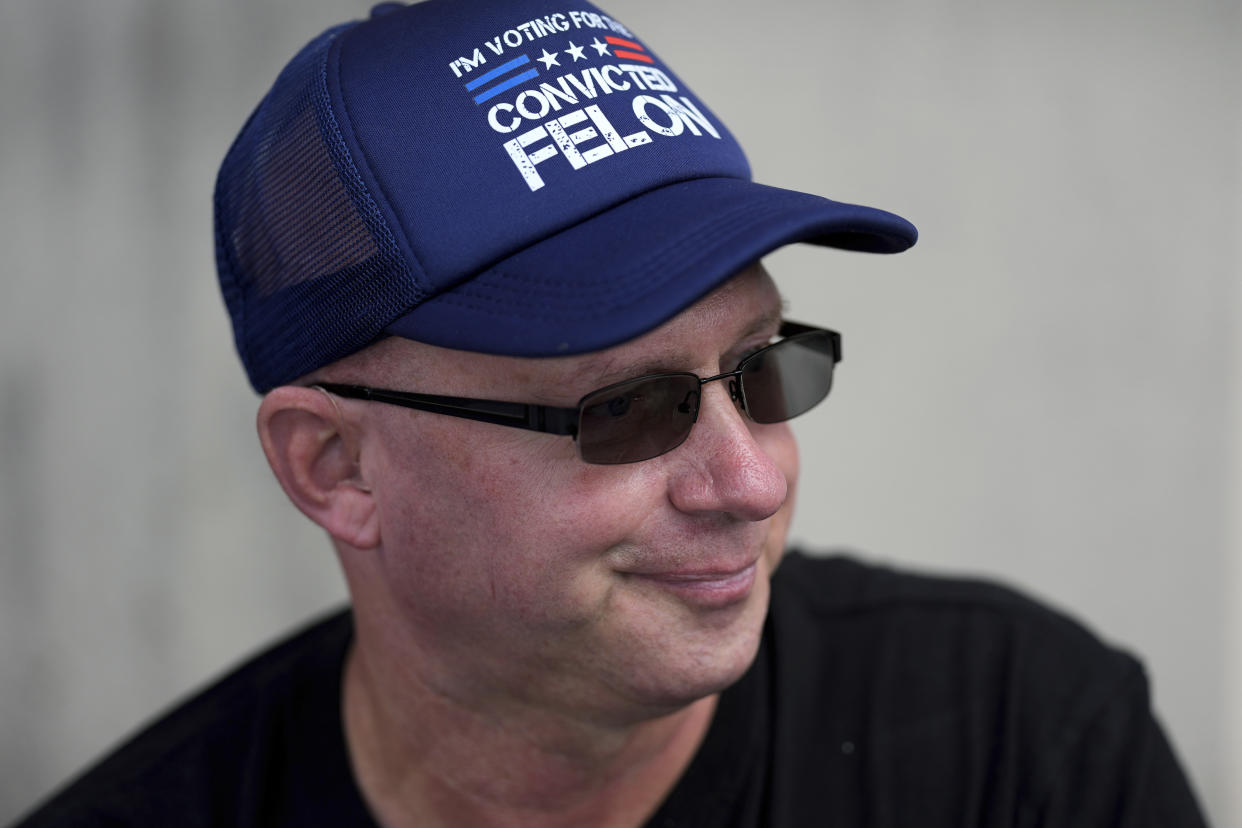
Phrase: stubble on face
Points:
(511, 571)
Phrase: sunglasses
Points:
(641, 418)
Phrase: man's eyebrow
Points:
(770, 320)
(614, 369)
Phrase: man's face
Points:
(518, 572)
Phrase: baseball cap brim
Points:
(624, 271)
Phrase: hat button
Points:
(381, 9)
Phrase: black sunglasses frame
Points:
(553, 419)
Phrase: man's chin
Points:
(707, 658)
(676, 693)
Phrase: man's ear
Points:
(314, 454)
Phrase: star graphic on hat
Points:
(602, 48)
(575, 51)
(548, 59)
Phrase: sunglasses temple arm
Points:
(551, 420)
(544, 418)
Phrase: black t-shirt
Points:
(877, 699)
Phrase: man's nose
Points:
(722, 467)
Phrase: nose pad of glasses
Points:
(735, 391)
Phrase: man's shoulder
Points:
(209, 749)
(985, 699)
(844, 589)
(959, 640)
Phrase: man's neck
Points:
(422, 758)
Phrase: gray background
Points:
(1046, 389)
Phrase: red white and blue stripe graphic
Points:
(629, 50)
(509, 80)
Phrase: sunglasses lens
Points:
(637, 420)
(789, 378)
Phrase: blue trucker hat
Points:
(521, 177)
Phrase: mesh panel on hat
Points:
(309, 270)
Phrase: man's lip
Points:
(714, 588)
(696, 576)
(715, 573)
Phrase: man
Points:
(494, 268)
